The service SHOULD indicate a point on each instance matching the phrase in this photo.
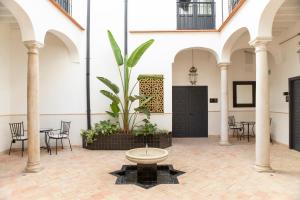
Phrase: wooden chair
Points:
(17, 134)
(60, 134)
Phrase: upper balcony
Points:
(181, 15)
(196, 14)
(201, 14)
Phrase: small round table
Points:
(248, 124)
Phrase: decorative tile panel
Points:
(153, 86)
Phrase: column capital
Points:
(223, 65)
(260, 42)
(33, 44)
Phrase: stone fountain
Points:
(146, 160)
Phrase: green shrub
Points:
(106, 127)
(90, 135)
(163, 131)
(102, 128)
(147, 128)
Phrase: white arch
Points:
(270, 53)
(70, 44)
(26, 26)
(227, 47)
(265, 23)
(214, 53)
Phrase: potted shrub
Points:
(120, 133)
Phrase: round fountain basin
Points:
(147, 156)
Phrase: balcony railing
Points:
(66, 5)
(232, 4)
(196, 15)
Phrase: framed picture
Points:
(244, 94)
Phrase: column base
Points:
(263, 169)
(224, 143)
(33, 168)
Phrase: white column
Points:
(33, 119)
(224, 138)
(262, 148)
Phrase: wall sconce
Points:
(287, 96)
(193, 75)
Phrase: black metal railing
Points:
(66, 5)
(196, 15)
(232, 4)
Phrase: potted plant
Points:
(120, 106)
(120, 134)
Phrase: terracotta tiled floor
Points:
(212, 172)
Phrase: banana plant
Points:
(120, 107)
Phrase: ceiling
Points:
(5, 16)
(286, 17)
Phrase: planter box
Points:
(128, 141)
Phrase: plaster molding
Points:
(223, 65)
(33, 46)
(260, 42)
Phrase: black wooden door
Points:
(190, 111)
(294, 87)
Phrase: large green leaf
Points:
(110, 95)
(137, 97)
(144, 102)
(109, 84)
(137, 54)
(143, 110)
(114, 106)
(116, 49)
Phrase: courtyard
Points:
(128, 100)
(212, 172)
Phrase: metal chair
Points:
(17, 134)
(235, 126)
(60, 134)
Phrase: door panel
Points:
(190, 111)
(295, 113)
(180, 106)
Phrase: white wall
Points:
(5, 85)
(63, 81)
(209, 75)
(159, 15)
(241, 70)
(62, 86)
(287, 67)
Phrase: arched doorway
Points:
(194, 114)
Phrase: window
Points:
(196, 14)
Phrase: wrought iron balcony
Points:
(196, 15)
(66, 5)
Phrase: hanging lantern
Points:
(193, 75)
